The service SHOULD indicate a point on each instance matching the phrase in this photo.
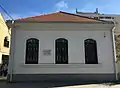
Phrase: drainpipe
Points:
(12, 57)
(114, 50)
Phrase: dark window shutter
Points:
(90, 51)
(61, 51)
(32, 51)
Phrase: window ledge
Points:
(81, 65)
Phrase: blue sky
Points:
(24, 8)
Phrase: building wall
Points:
(0, 57)
(3, 34)
(117, 30)
(76, 34)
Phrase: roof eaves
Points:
(36, 16)
(25, 21)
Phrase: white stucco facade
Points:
(75, 33)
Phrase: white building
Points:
(61, 46)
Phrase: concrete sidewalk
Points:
(3, 78)
(54, 85)
(89, 86)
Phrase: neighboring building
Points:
(4, 41)
(97, 15)
(106, 17)
(61, 46)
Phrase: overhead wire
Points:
(6, 12)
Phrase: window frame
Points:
(32, 46)
(62, 46)
(6, 42)
(93, 51)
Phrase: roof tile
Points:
(59, 16)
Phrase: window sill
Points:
(81, 65)
(6, 47)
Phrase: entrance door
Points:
(4, 65)
(5, 59)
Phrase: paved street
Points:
(54, 85)
(36, 84)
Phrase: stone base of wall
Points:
(62, 77)
(118, 76)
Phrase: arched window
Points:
(32, 50)
(6, 42)
(61, 51)
(90, 51)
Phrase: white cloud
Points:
(62, 5)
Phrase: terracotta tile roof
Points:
(59, 16)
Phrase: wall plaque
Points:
(47, 52)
